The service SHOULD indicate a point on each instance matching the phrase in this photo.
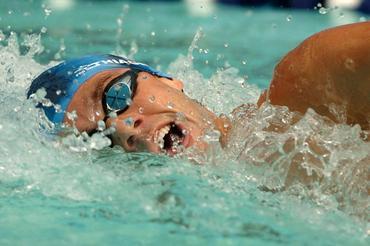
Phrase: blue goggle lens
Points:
(118, 95)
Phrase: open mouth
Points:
(170, 138)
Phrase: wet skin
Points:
(328, 72)
(331, 68)
(157, 103)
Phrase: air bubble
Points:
(43, 29)
(226, 45)
(58, 92)
(244, 62)
(129, 101)
(289, 18)
(185, 132)
(141, 110)
(152, 33)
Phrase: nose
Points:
(127, 132)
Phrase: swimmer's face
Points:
(160, 118)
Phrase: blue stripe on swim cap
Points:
(62, 81)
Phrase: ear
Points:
(175, 83)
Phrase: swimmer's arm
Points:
(329, 68)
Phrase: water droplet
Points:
(141, 110)
(43, 29)
(170, 105)
(180, 116)
(10, 75)
(101, 125)
(72, 115)
(289, 18)
(119, 21)
(323, 11)
(58, 92)
(152, 99)
(362, 18)
(47, 11)
(16, 109)
(2, 37)
(112, 115)
(128, 121)
(58, 108)
(349, 64)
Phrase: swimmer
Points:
(150, 111)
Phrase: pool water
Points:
(62, 192)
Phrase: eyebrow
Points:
(103, 82)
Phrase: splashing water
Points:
(74, 186)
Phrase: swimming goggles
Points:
(118, 94)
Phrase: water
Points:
(61, 192)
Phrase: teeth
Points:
(160, 135)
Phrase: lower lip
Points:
(186, 141)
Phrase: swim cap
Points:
(62, 81)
